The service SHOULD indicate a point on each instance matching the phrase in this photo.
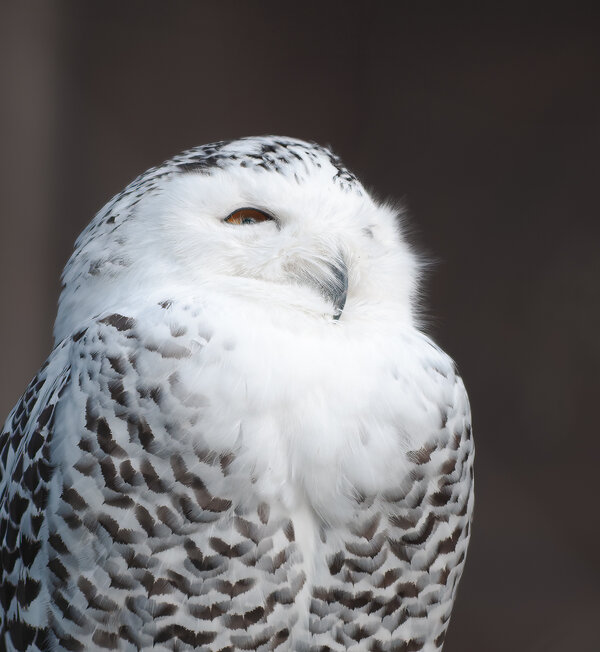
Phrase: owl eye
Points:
(247, 216)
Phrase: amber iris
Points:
(247, 216)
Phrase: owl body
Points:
(241, 439)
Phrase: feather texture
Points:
(212, 458)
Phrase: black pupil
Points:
(248, 220)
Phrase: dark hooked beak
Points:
(336, 286)
(329, 277)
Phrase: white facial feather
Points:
(173, 241)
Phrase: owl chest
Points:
(318, 413)
(223, 464)
(200, 423)
(307, 419)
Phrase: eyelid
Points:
(237, 216)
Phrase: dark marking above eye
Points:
(248, 215)
(368, 231)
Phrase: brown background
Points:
(485, 121)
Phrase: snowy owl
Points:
(241, 439)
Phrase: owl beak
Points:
(336, 287)
(329, 276)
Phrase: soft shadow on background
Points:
(485, 123)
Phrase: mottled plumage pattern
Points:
(194, 470)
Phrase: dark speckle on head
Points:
(273, 154)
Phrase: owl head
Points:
(275, 221)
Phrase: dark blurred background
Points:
(485, 122)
